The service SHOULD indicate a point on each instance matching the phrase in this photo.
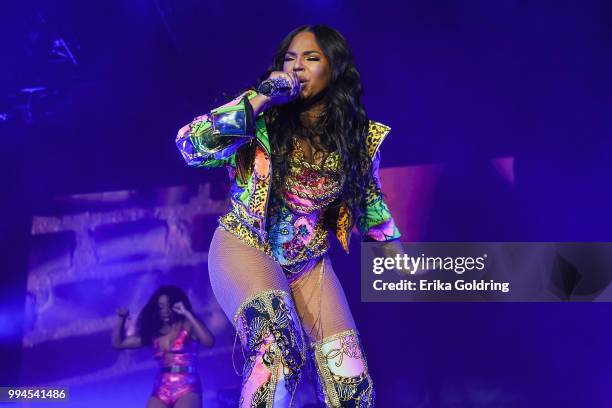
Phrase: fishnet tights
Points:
(238, 271)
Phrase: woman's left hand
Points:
(179, 308)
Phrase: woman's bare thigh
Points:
(189, 400)
(321, 302)
(155, 402)
(238, 271)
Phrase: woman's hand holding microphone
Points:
(280, 88)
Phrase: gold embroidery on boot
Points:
(343, 384)
(270, 333)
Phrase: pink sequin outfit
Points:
(178, 375)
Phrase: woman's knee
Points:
(274, 347)
(344, 378)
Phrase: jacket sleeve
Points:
(375, 222)
(211, 140)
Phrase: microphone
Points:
(273, 87)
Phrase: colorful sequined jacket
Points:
(211, 140)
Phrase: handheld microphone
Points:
(273, 87)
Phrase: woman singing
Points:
(303, 160)
(167, 323)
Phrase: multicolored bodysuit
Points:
(297, 235)
(178, 375)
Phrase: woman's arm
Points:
(259, 103)
(200, 330)
(118, 339)
(375, 222)
(211, 140)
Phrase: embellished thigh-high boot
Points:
(342, 371)
(274, 348)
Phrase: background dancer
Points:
(168, 325)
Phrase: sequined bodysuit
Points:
(178, 375)
(297, 235)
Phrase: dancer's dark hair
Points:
(149, 322)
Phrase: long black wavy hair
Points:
(149, 322)
(342, 128)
